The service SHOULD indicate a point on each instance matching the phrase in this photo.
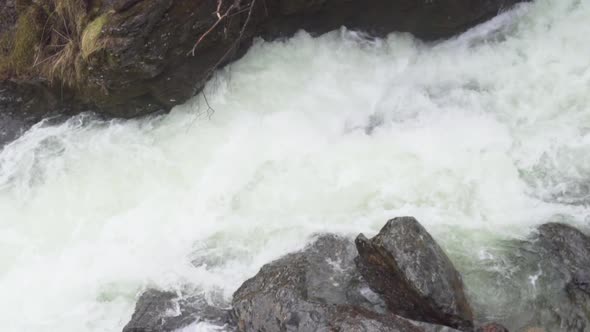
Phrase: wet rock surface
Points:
(425, 19)
(565, 254)
(567, 246)
(21, 106)
(317, 289)
(129, 58)
(400, 280)
(414, 276)
(167, 311)
(543, 279)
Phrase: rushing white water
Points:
(480, 137)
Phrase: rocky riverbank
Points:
(126, 58)
(400, 280)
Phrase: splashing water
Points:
(480, 137)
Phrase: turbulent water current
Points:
(481, 137)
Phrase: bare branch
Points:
(237, 40)
(220, 18)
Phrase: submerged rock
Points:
(415, 277)
(567, 249)
(546, 277)
(567, 246)
(159, 311)
(126, 58)
(317, 289)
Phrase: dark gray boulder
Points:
(566, 245)
(160, 311)
(21, 106)
(427, 20)
(565, 254)
(414, 276)
(545, 279)
(317, 289)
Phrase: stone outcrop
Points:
(21, 106)
(414, 276)
(400, 280)
(321, 288)
(126, 58)
(317, 289)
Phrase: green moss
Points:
(90, 36)
(5, 50)
(48, 39)
(27, 39)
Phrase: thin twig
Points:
(65, 37)
(46, 59)
(236, 41)
(220, 18)
(210, 109)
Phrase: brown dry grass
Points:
(64, 29)
(46, 41)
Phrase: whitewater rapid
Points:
(481, 138)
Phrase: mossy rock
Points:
(90, 36)
(25, 41)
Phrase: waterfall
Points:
(481, 137)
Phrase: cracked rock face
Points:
(414, 276)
